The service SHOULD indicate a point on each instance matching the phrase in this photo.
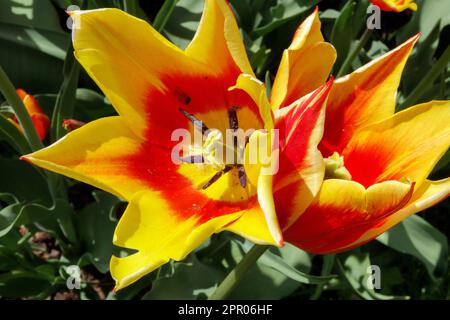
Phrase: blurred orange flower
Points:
(395, 5)
(40, 120)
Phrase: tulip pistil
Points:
(335, 168)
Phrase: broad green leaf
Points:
(356, 269)
(89, 105)
(23, 181)
(190, 279)
(282, 12)
(416, 237)
(8, 218)
(183, 22)
(20, 284)
(96, 227)
(425, 18)
(342, 34)
(35, 44)
(281, 264)
(264, 281)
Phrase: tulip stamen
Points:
(199, 125)
(193, 159)
(233, 124)
(217, 176)
(242, 176)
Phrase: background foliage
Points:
(43, 232)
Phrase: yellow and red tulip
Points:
(173, 207)
(40, 120)
(157, 88)
(395, 5)
(376, 162)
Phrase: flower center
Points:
(335, 168)
(213, 149)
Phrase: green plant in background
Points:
(48, 223)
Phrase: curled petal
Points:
(429, 194)
(343, 211)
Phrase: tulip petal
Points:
(404, 147)
(147, 78)
(301, 167)
(429, 194)
(218, 42)
(41, 123)
(304, 66)
(366, 96)
(126, 57)
(259, 223)
(255, 89)
(395, 5)
(150, 226)
(343, 211)
(96, 154)
(301, 164)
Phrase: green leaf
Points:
(190, 279)
(55, 219)
(8, 218)
(356, 269)
(65, 101)
(89, 105)
(13, 136)
(265, 280)
(64, 214)
(35, 44)
(425, 19)
(416, 237)
(20, 284)
(342, 34)
(282, 265)
(96, 227)
(183, 22)
(281, 13)
(164, 14)
(23, 181)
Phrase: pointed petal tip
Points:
(25, 158)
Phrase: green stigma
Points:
(335, 168)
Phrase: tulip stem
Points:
(236, 275)
(9, 92)
(428, 80)
(327, 266)
(349, 60)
